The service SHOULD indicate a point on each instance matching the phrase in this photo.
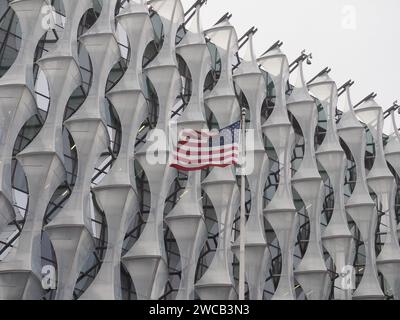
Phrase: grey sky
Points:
(366, 49)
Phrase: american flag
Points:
(197, 150)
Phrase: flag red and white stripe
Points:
(197, 150)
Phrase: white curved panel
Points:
(250, 80)
(382, 182)
(392, 148)
(195, 53)
(281, 212)
(89, 132)
(217, 282)
(312, 273)
(337, 237)
(222, 99)
(116, 194)
(147, 260)
(17, 102)
(360, 206)
(186, 220)
(43, 159)
(220, 185)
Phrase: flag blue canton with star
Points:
(227, 136)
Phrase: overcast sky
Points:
(358, 39)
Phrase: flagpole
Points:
(242, 255)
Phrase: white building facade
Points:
(86, 88)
